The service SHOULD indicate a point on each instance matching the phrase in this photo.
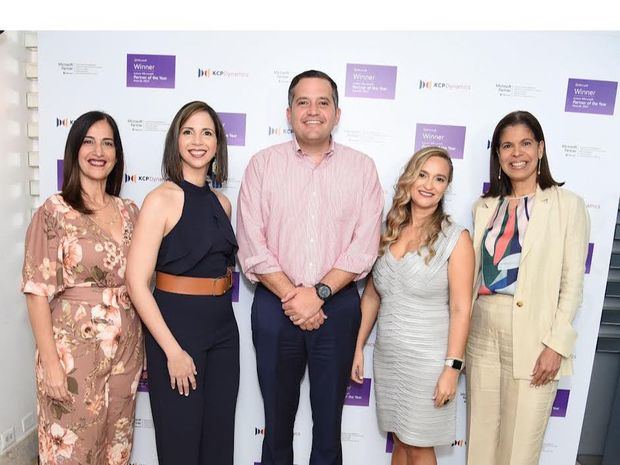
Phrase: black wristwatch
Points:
(454, 363)
(323, 291)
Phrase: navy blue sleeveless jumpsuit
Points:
(197, 429)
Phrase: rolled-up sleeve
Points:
(254, 255)
(360, 255)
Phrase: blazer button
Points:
(519, 303)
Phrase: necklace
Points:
(105, 219)
(105, 205)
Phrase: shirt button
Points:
(310, 264)
(311, 241)
(519, 304)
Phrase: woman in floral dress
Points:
(88, 336)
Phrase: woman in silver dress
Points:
(420, 292)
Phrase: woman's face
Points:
(428, 189)
(97, 154)
(519, 153)
(197, 141)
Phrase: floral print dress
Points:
(81, 269)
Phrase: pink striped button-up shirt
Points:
(305, 219)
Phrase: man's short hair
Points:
(312, 73)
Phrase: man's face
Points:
(313, 113)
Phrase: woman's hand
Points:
(182, 372)
(357, 370)
(445, 390)
(546, 367)
(54, 380)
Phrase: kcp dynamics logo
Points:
(65, 122)
(142, 178)
(442, 85)
(279, 131)
(220, 73)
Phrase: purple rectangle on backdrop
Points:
(60, 166)
(560, 404)
(235, 286)
(485, 187)
(589, 96)
(589, 257)
(143, 384)
(358, 394)
(370, 81)
(451, 138)
(151, 71)
(234, 125)
(389, 443)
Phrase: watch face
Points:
(457, 364)
(324, 292)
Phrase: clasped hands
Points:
(304, 308)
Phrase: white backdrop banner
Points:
(399, 92)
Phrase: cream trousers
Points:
(506, 417)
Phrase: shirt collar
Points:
(300, 153)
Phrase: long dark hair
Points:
(503, 187)
(171, 165)
(71, 183)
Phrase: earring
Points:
(499, 176)
(214, 167)
(539, 166)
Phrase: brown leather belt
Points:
(193, 286)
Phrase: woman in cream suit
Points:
(530, 239)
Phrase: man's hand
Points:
(315, 322)
(301, 304)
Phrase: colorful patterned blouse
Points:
(501, 246)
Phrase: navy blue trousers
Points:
(282, 353)
(198, 429)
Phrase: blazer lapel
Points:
(538, 221)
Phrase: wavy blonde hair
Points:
(399, 215)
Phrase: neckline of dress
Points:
(104, 232)
(193, 187)
(398, 260)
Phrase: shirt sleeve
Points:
(42, 271)
(254, 255)
(360, 255)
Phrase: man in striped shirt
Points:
(308, 224)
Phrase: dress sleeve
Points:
(42, 273)
(132, 210)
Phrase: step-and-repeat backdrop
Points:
(399, 92)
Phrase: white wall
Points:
(17, 392)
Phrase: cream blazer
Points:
(550, 282)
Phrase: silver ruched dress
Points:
(411, 343)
